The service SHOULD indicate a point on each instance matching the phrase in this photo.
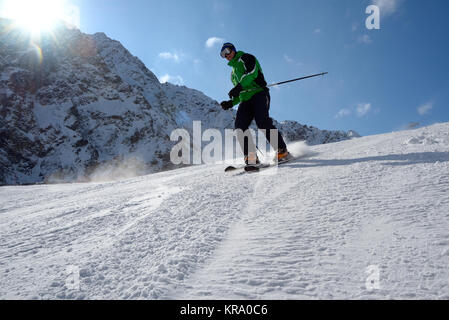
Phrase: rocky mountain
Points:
(72, 103)
(294, 131)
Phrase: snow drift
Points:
(361, 219)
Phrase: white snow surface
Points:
(314, 228)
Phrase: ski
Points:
(232, 168)
(253, 169)
(235, 168)
(257, 168)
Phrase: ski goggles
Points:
(225, 52)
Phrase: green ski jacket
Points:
(246, 70)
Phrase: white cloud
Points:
(317, 30)
(387, 7)
(343, 113)
(172, 79)
(211, 42)
(362, 109)
(170, 56)
(288, 59)
(366, 39)
(424, 109)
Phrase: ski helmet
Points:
(227, 49)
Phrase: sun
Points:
(37, 16)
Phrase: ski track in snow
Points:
(310, 229)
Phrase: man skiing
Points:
(251, 92)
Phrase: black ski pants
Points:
(257, 108)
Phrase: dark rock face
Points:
(71, 103)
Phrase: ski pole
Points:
(293, 80)
(302, 78)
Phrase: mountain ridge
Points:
(72, 102)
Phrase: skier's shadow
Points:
(389, 160)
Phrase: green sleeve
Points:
(251, 70)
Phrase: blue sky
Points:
(379, 80)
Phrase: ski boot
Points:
(252, 159)
(282, 156)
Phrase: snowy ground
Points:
(360, 219)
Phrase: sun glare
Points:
(35, 15)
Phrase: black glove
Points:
(235, 92)
(226, 105)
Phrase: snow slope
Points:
(320, 227)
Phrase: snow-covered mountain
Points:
(73, 103)
(366, 218)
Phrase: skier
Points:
(251, 92)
